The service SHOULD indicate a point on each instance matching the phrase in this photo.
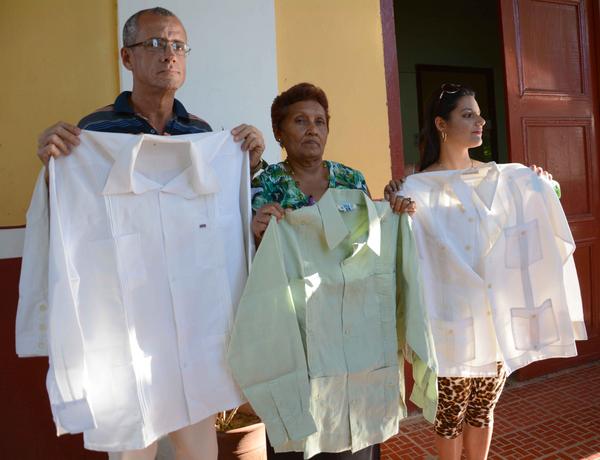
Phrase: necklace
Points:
(293, 173)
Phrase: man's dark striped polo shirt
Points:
(121, 118)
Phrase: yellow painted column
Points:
(338, 45)
(59, 63)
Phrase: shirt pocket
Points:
(113, 386)
(523, 247)
(454, 340)
(534, 328)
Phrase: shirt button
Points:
(450, 331)
(489, 286)
(43, 327)
(347, 331)
(468, 247)
(41, 345)
(470, 219)
(43, 307)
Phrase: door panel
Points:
(553, 39)
(551, 85)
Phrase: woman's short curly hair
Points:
(297, 93)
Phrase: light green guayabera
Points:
(315, 342)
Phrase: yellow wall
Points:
(338, 45)
(59, 63)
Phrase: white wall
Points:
(232, 69)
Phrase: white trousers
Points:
(194, 442)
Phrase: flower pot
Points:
(246, 443)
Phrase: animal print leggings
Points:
(467, 399)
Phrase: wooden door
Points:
(552, 74)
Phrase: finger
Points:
(412, 209)
(271, 210)
(67, 135)
(263, 219)
(47, 152)
(388, 193)
(66, 132)
(249, 143)
(397, 208)
(238, 128)
(61, 125)
(55, 141)
(243, 132)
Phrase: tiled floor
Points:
(554, 417)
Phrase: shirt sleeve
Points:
(32, 309)
(413, 322)
(566, 248)
(67, 373)
(266, 354)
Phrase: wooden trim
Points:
(392, 84)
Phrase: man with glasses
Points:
(155, 50)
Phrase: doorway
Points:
(544, 59)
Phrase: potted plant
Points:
(241, 435)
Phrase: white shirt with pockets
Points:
(499, 278)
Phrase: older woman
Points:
(300, 118)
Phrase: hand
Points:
(254, 142)
(399, 204)
(59, 139)
(402, 204)
(541, 172)
(261, 220)
(392, 188)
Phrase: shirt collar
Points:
(333, 224)
(123, 105)
(197, 179)
(485, 189)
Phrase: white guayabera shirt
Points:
(147, 256)
(498, 273)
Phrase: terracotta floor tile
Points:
(552, 417)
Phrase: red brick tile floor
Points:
(553, 417)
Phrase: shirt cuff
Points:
(74, 416)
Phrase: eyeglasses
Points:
(449, 88)
(160, 44)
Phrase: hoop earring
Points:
(444, 136)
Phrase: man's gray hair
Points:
(130, 28)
